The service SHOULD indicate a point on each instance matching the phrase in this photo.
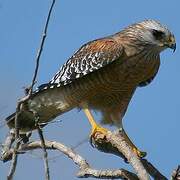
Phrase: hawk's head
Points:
(153, 33)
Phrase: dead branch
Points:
(112, 143)
(44, 34)
(115, 143)
(152, 170)
(85, 170)
(29, 91)
(14, 162)
(40, 132)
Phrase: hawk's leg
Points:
(139, 153)
(95, 127)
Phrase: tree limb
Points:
(85, 169)
(115, 143)
(152, 170)
(39, 52)
(28, 93)
(112, 143)
(46, 165)
(14, 162)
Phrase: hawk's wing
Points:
(89, 58)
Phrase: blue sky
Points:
(153, 117)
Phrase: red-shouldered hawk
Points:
(102, 75)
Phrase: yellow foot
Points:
(139, 153)
(96, 129)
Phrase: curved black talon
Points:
(143, 154)
(91, 142)
(126, 160)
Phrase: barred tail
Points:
(47, 104)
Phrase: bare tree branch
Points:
(107, 174)
(152, 170)
(14, 162)
(109, 144)
(28, 95)
(85, 169)
(15, 156)
(41, 47)
(10, 138)
(45, 153)
(115, 143)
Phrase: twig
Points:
(33, 82)
(53, 158)
(41, 47)
(85, 169)
(45, 153)
(14, 162)
(72, 147)
(29, 91)
(15, 156)
(6, 146)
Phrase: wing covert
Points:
(89, 58)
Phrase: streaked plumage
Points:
(103, 73)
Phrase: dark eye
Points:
(157, 34)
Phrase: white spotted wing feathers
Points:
(89, 58)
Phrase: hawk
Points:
(103, 76)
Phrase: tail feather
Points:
(26, 121)
(48, 102)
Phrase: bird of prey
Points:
(102, 76)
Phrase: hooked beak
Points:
(172, 43)
(173, 46)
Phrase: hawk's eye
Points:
(157, 34)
